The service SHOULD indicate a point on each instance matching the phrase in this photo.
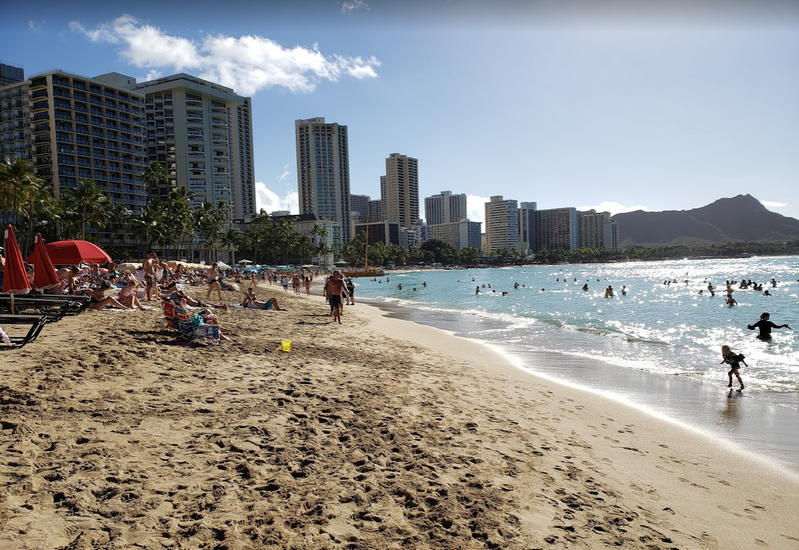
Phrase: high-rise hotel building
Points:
(108, 128)
(445, 208)
(401, 195)
(502, 224)
(201, 133)
(73, 127)
(323, 173)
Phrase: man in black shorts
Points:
(334, 288)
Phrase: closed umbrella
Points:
(44, 274)
(15, 280)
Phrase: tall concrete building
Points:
(527, 227)
(72, 127)
(376, 211)
(11, 74)
(323, 173)
(201, 133)
(597, 230)
(445, 208)
(502, 224)
(556, 228)
(401, 195)
(459, 234)
(360, 204)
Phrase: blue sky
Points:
(612, 104)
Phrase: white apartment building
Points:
(201, 133)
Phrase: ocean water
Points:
(657, 347)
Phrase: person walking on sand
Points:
(765, 325)
(335, 287)
(212, 280)
(734, 360)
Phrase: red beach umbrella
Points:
(15, 280)
(75, 252)
(44, 274)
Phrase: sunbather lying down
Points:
(252, 302)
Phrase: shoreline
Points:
(693, 404)
(374, 433)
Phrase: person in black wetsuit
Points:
(765, 326)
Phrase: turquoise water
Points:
(662, 325)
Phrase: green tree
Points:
(470, 256)
(152, 175)
(147, 225)
(89, 204)
(17, 181)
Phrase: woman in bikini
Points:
(128, 296)
(212, 280)
(99, 300)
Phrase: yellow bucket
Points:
(286, 345)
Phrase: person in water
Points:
(765, 325)
(734, 360)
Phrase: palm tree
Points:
(230, 238)
(153, 174)
(320, 233)
(89, 203)
(118, 220)
(180, 221)
(146, 226)
(16, 178)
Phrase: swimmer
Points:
(765, 325)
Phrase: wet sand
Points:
(377, 433)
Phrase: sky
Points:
(615, 105)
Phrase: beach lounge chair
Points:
(54, 310)
(179, 318)
(36, 323)
(80, 301)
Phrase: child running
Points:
(734, 360)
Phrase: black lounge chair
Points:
(36, 323)
(52, 309)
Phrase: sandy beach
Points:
(377, 433)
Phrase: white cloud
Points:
(351, 5)
(773, 204)
(284, 174)
(36, 26)
(269, 201)
(476, 208)
(612, 207)
(247, 63)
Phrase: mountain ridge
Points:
(740, 218)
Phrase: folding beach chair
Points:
(168, 307)
(189, 332)
(36, 323)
